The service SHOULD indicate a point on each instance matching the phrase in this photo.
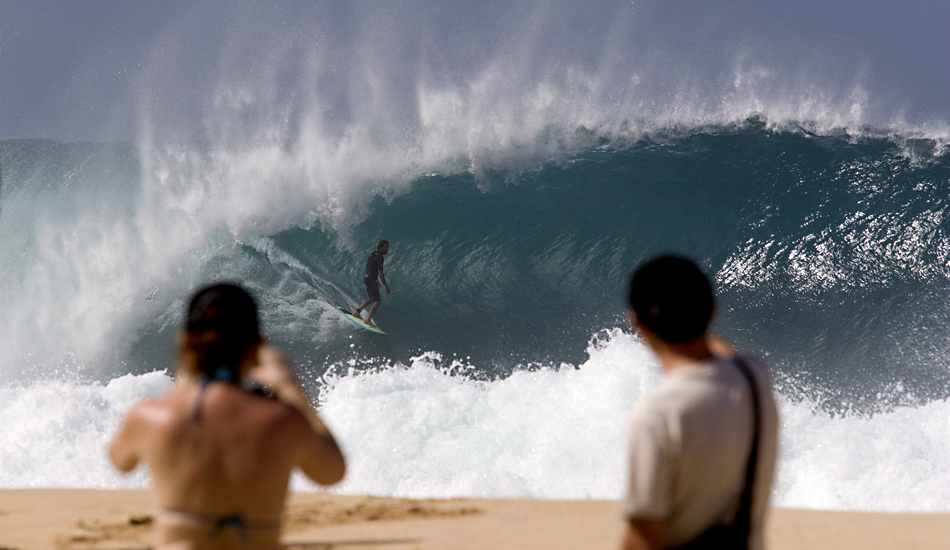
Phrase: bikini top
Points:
(223, 374)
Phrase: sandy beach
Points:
(36, 519)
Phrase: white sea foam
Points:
(429, 429)
(55, 433)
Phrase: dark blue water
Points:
(831, 257)
(508, 345)
(830, 254)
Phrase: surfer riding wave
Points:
(374, 276)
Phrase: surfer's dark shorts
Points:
(372, 288)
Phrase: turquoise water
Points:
(830, 255)
(508, 360)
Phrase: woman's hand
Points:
(274, 371)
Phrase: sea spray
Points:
(437, 428)
(55, 433)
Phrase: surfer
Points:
(374, 275)
(219, 454)
(702, 447)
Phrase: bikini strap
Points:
(221, 374)
(234, 520)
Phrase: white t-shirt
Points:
(688, 449)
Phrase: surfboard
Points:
(357, 321)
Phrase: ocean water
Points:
(521, 160)
(509, 370)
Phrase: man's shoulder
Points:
(706, 395)
(761, 375)
(714, 373)
(685, 384)
(758, 366)
(695, 386)
(651, 417)
(660, 409)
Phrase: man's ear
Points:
(643, 331)
(636, 324)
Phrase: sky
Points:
(111, 70)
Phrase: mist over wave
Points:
(386, 73)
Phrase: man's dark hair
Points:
(221, 325)
(381, 244)
(672, 298)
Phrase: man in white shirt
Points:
(691, 441)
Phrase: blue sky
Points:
(89, 70)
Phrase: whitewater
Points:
(510, 371)
(519, 186)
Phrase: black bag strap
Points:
(743, 521)
(735, 536)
